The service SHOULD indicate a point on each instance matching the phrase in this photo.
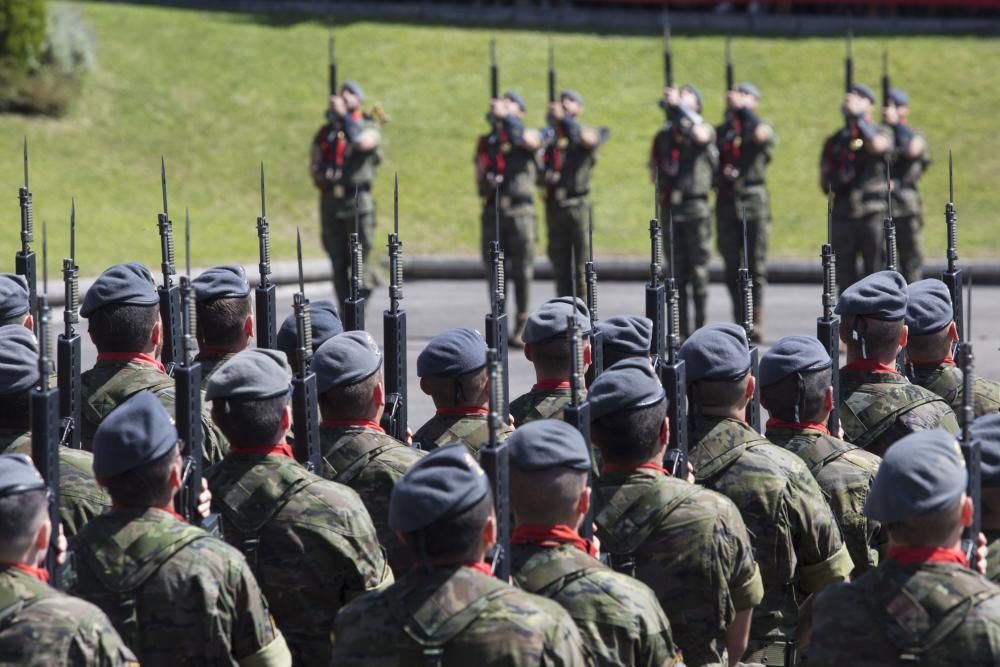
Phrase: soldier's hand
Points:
(338, 105)
(734, 99)
(499, 108)
(982, 553)
(409, 436)
(62, 547)
(204, 500)
(329, 175)
(510, 421)
(690, 475)
(672, 96)
(556, 110)
(595, 540)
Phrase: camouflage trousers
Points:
(517, 238)
(692, 238)
(337, 218)
(567, 226)
(853, 237)
(729, 241)
(910, 247)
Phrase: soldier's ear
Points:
(952, 332)
(583, 502)
(378, 394)
(665, 431)
(286, 418)
(489, 535)
(588, 356)
(751, 385)
(43, 535)
(156, 333)
(828, 400)
(904, 336)
(248, 326)
(967, 511)
(29, 322)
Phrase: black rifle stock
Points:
(746, 302)
(25, 261)
(953, 277)
(889, 225)
(265, 299)
(394, 330)
(577, 413)
(495, 460)
(68, 353)
(354, 305)
(673, 373)
(596, 335)
(496, 319)
(828, 325)
(971, 448)
(305, 414)
(655, 293)
(170, 297)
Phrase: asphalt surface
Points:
(435, 305)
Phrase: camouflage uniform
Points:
(310, 544)
(845, 474)
(541, 403)
(174, 593)
(689, 545)
(938, 613)
(41, 627)
(209, 364)
(945, 380)
(370, 462)
(907, 207)
(993, 559)
(471, 429)
(619, 618)
(455, 617)
(795, 536)
(878, 408)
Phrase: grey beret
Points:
(354, 88)
(628, 385)
(548, 443)
(717, 352)
(928, 309)
(864, 91)
(986, 431)
(881, 295)
(444, 483)
(627, 334)
(137, 432)
(325, 325)
(899, 97)
(748, 88)
(18, 475)
(794, 354)
(221, 282)
(550, 319)
(18, 360)
(516, 98)
(573, 95)
(452, 353)
(130, 283)
(251, 375)
(346, 359)
(13, 296)
(921, 473)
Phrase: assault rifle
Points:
(354, 305)
(332, 59)
(889, 225)
(496, 319)
(552, 73)
(746, 302)
(24, 261)
(265, 299)
(668, 58)
(68, 353)
(885, 78)
(673, 373)
(953, 277)
(970, 448)
(495, 459)
(305, 418)
(170, 298)
(394, 330)
(729, 67)
(849, 62)
(596, 335)
(655, 305)
(577, 413)
(828, 326)
(493, 139)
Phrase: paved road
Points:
(435, 305)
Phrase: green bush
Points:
(22, 31)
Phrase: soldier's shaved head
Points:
(546, 497)
(122, 327)
(629, 436)
(21, 515)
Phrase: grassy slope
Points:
(217, 93)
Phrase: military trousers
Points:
(692, 238)
(854, 237)
(910, 247)
(517, 238)
(729, 241)
(337, 218)
(566, 225)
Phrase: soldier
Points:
(779, 499)
(922, 604)
(344, 155)
(449, 610)
(508, 160)
(878, 406)
(356, 451)
(619, 618)
(683, 165)
(909, 162)
(123, 314)
(745, 143)
(546, 346)
(225, 317)
(986, 431)
(570, 155)
(932, 337)
(452, 371)
(176, 594)
(310, 542)
(39, 626)
(853, 164)
(795, 389)
(325, 325)
(625, 337)
(687, 543)
(14, 305)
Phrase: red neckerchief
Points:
(552, 536)
(279, 449)
(917, 555)
(870, 366)
(169, 510)
(730, 149)
(460, 410)
(137, 357)
(39, 573)
(548, 385)
(947, 361)
(774, 422)
(627, 467)
(480, 566)
(358, 423)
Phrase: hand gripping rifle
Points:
(746, 301)
(68, 346)
(394, 330)
(170, 297)
(596, 335)
(354, 305)
(655, 304)
(953, 277)
(577, 413)
(495, 459)
(673, 374)
(828, 326)
(496, 319)
(266, 308)
(24, 261)
(305, 415)
(889, 225)
(970, 448)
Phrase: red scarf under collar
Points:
(870, 366)
(460, 411)
(549, 385)
(480, 566)
(552, 536)
(357, 423)
(614, 467)
(279, 449)
(917, 555)
(39, 573)
(774, 422)
(137, 357)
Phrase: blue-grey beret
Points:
(516, 98)
(452, 353)
(221, 282)
(864, 91)
(18, 475)
(548, 443)
(628, 334)
(550, 319)
(691, 88)
(628, 385)
(13, 296)
(881, 295)
(749, 89)
(986, 431)
(899, 97)
(346, 359)
(928, 309)
(325, 325)
(135, 433)
(444, 483)
(572, 94)
(354, 88)
(718, 352)
(794, 354)
(921, 473)
(130, 283)
(251, 375)
(18, 360)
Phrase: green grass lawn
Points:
(217, 93)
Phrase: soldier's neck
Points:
(735, 412)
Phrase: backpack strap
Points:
(870, 414)
(822, 451)
(627, 533)
(354, 468)
(542, 576)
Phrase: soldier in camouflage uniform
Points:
(452, 371)
(310, 542)
(449, 611)
(745, 143)
(795, 389)
(932, 335)
(687, 543)
(342, 160)
(619, 618)
(852, 164)
(878, 405)
(922, 604)
(356, 450)
(683, 165)
(325, 325)
(506, 157)
(986, 431)
(176, 594)
(15, 307)
(39, 626)
(122, 309)
(909, 162)
(225, 316)
(547, 347)
(794, 533)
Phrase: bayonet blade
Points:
(26, 163)
(298, 250)
(163, 186)
(263, 200)
(395, 203)
(72, 231)
(951, 181)
(45, 260)
(590, 231)
(187, 241)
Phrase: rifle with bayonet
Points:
(746, 303)
(24, 260)
(668, 67)
(655, 303)
(493, 139)
(971, 449)
(332, 59)
(828, 326)
(265, 299)
(889, 225)
(953, 277)
(394, 330)
(886, 86)
(849, 63)
(354, 304)
(673, 373)
(495, 459)
(68, 355)
(596, 335)
(305, 415)
(577, 413)
(729, 66)
(552, 73)
(170, 298)
(496, 319)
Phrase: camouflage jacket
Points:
(210, 363)
(175, 594)
(310, 544)
(878, 408)
(906, 172)
(541, 404)
(370, 462)
(941, 614)
(795, 536)
(857, 175)
(41, 627)
(619, 618)
(455, 617)
(993, 559)
(685, 171)
(689, 545)
(80, 497)
(945, 380)
(845, 474)
(472, 430)
(109, 383)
